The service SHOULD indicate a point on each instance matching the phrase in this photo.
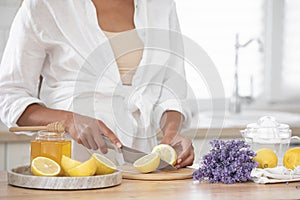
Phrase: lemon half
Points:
(266, 158)
(68, 163)
(104, 165)
(147, 163)
(87, 168)
(166, 153)
(42, 166)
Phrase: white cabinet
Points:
(14, 149)
(14, 154)
(2, 156)
(18, 154)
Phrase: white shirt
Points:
(62, 41)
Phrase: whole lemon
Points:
(291, 158)
(266, 158)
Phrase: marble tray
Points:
(22, 177)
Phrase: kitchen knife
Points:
(118, 155)
(130, 155)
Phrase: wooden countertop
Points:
(181, 189)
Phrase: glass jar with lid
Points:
(51, 145)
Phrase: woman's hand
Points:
(84, 130)
(184, 149)
(90, 132)
(171, 125)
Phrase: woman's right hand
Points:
(84, 130)
(89, 132)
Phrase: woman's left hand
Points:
(184, 148)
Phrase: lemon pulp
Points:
(166, 153)
(147, 163)
(42, 166)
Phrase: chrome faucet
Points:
(236, 99)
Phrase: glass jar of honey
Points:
(51, 145)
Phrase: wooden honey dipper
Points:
(57, 127)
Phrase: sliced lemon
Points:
(166, 153)
(68, 163)
(87, 168)
(104, 165)
(147, 163)
(42, 166)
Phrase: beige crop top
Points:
(128, 62)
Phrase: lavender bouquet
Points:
(227, 161)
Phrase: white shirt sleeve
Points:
(20, 68)
(174, 91)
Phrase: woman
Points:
(71, 44)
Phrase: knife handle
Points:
(109, 144)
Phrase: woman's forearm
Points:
(38, 115)
(170, 125)
(84, 130)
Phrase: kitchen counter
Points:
(193, 133)
(11, 137)
(234, 132)
(181, 189)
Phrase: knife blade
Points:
(131, 155)
(118, 155)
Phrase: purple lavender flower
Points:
(228, 162)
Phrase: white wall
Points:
(8, 9)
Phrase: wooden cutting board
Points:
(128, 172)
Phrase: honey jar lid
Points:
(47, 135)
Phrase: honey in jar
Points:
(51, 145)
